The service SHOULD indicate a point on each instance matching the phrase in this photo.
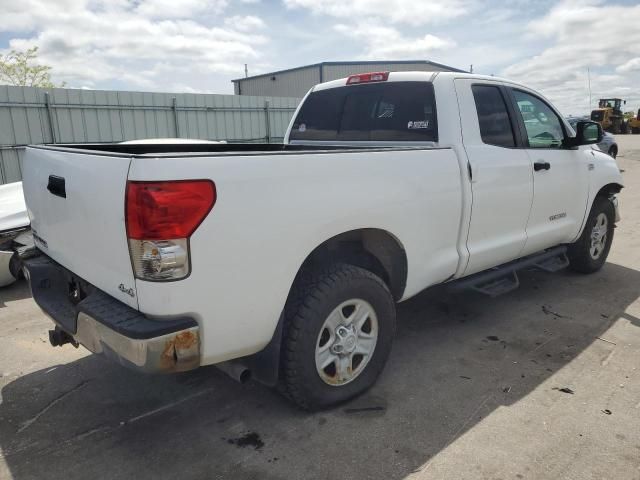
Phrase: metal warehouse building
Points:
(296, 82)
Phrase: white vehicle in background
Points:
(14, 232)
(608, 144)
(287, 261)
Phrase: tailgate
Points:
(75, 200)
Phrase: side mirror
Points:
(587, 133)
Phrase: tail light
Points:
(368, 78)
(160, 217)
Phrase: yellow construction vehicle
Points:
(634, 123)
(609, 115)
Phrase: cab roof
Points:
(416, 76)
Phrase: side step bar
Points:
(504, 278)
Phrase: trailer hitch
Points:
(58, 338)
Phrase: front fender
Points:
(605, 177)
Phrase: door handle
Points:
(540, 165)
(57, 186)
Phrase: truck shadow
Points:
(16, 291)
(457, 358)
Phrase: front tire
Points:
(339, 328)
(589, 253)
(613, 151)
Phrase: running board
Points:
(554, 264)
(504, 278)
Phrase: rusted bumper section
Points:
(107, 326)
(172, 352)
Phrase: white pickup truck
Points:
(286, 261)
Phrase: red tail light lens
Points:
(368, 78)
(167, 210)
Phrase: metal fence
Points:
(31, 115)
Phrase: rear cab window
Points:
(385, 111)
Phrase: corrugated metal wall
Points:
(33, 115)
(297, 81)
(292, 83)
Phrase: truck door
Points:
(560, 175)
(501, 174)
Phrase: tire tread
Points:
(306, 297)
(579, 258)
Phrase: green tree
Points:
(20, 68)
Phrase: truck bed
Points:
(223, 149)
(274, 206)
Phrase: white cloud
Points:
(244, 23)
(630, 66)
(582, 35)
(411, 12)
(17, 17)
(179, 9)
(382, 42)
(98, 42)
(394, 29)
(202, 44)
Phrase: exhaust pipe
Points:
(58, 338)
(235, 370)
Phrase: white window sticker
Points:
(302, 127)
(418, 124)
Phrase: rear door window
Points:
(394, 111)
(493, 116)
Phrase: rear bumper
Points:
(107, 326)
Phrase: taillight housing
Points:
(368, 78)
(160, 217)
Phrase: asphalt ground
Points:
(540, 383)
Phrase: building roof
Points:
(363, 62)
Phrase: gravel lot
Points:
(541, 383)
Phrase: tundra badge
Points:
(557, 216)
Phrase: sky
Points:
(200, 45)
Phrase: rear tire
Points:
(590, 252)
(339, 327)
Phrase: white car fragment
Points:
(14, 224)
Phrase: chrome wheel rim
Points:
(346, 342)
(599, 236)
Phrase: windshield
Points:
(389, 111)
